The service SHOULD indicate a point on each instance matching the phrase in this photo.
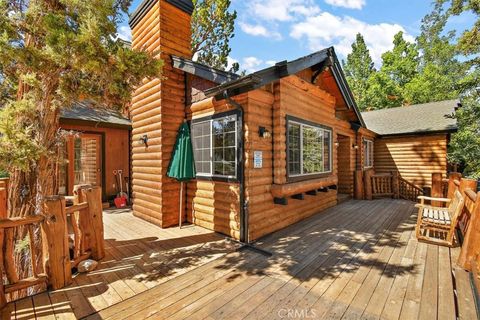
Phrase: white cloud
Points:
(326, 30)
(350, 4)
(259, 30)
(230, 62)
(270, 62)
(251, 64)
(125, 33)
(281, 10)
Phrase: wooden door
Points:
(84, 162)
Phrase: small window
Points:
(368, 153)
(215, 146)
(309, 148)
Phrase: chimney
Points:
(161, 27)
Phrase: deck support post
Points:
(368, 184)
(437, 189)
(92, 222)
(56, 258)
(358, 191)
(396, 184)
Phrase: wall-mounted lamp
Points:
(144, 140)
(337, 144)
(355, 146)
(264, 133)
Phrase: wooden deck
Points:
(359, 259)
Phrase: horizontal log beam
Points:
(290, 189)
(25, 283)
(17, 222)
(77, 207)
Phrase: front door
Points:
(84, 162)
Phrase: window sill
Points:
(290, 189)
(218, 179)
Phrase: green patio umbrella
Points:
(182, 165)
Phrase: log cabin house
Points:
(413, 140)
(271, 148)
(100, 144)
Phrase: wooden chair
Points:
(437, 225)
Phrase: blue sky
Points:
(268, 31)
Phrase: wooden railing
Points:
(3, 197)
(48, 241)
(408, 190)
(389, 185)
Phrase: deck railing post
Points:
(55, 244)
(94, 221)
(436, 192)
(471, 242)
(451, 183)
(3, 299)
(368, 184)
(396, 184)
(358, 185)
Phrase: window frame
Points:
(367, 154)
(307, 176)
(238, 141)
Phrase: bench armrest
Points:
(423, 198)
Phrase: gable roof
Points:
(87, 112)
(421, 118)
(318, 61)
(203, 71)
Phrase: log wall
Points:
(158, 109)
(416, 158)
(215, 205)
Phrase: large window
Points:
(215, 146)
(368, 153)
(309, 148)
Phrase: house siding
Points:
(415, 157)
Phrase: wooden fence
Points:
(389, 185)
(49, 242)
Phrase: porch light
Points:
(264, 133)
(355, 146)
(337, 144)
(144, 140)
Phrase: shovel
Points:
(121, 199)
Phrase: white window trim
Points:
(301, 149)
(367, 154)
(212, 174)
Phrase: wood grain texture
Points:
(416, 158)
(157, 110)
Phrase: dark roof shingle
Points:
(420, 118)
(88, 111)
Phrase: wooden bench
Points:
(435, 224)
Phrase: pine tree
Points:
(440, 71)
(358, 69)
(213, 26)
(53, 53)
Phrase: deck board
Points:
(358, 260)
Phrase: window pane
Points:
(229, 168)
(327, 150)
(229, 139)
(312, 150)
(218, 168)
(201, 146)
(294, 148)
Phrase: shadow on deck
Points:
(359, 259)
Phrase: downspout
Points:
(244, 239)
(243, 204)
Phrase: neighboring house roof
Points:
(87, 112)
(203, 71)
(421, 118)
(146, 5)
(319, 60)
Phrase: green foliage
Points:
(53, 53)
(465, 144)
(213, 26)
(358, 69)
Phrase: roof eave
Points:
(202, 71)
(414, 133)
